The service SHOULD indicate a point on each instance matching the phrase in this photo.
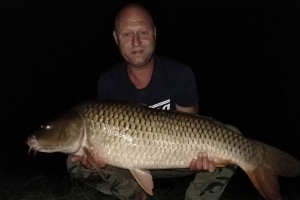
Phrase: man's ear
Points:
(115, 36)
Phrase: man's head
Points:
(135, 34)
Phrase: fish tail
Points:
(274, 163)
(265, 181)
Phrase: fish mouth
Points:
(32, 143)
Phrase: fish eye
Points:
(48, 126)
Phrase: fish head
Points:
(64, 134)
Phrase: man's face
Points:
(135, 35)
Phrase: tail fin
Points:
(273, 164)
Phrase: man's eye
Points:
(143, 33)
(126, 35)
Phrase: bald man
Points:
(156, 81)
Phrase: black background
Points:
(244, 54)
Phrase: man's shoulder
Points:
(172, 65)
(167, 60)
(116, 70)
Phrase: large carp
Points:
(138, 138)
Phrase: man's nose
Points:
(136, 40)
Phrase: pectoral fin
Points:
(144, 178)
(93, 162)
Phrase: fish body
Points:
(138, 138)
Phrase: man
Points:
(158, 82)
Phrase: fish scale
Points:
(175, 134)
(138, 138)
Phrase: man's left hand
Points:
(202, 163)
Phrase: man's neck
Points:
(141, 76)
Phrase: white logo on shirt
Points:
(164, 105)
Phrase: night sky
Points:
(244, 54)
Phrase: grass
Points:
(62, 188)
(41, 182)
(58, 185)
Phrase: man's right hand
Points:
(85, 162)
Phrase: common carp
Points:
(139, 138)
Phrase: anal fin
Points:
(223, 163)
(144, 178)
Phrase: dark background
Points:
(244, 54)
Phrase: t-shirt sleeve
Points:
(104, 88)
(101, 88)
(110, 83)
(187, 94)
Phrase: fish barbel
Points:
(138, 138)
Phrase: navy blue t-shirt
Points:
(172, 82)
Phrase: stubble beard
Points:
(139, 60)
